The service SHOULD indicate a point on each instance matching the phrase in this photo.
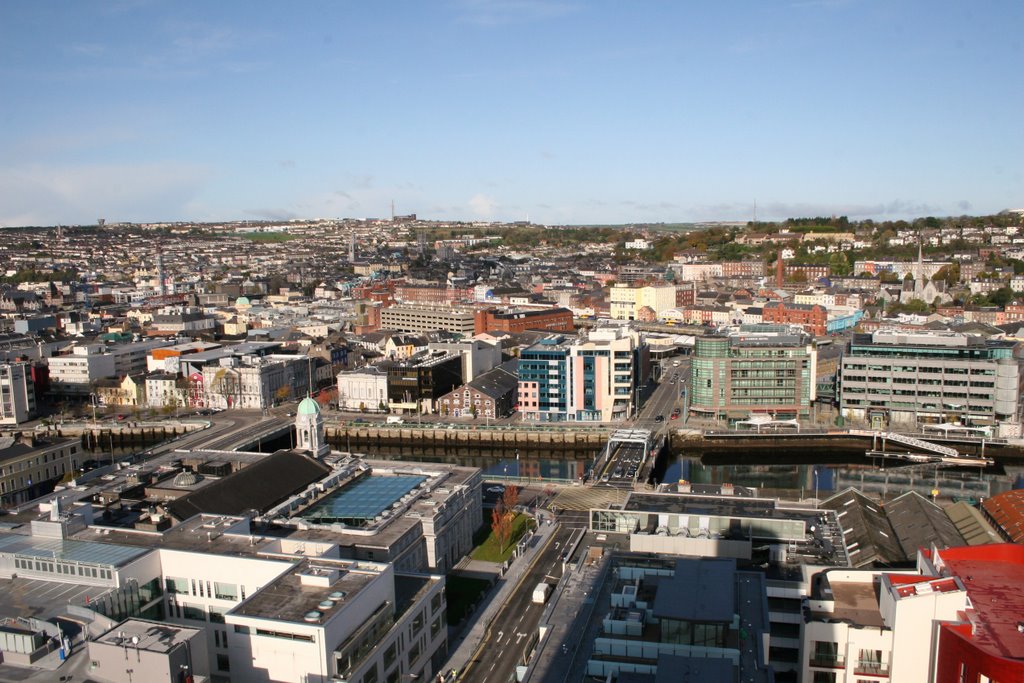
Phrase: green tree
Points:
(839, 264)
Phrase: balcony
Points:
(871, 669)
(825, 661)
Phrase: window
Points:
(417, 622)
(435, 627)
(196, 613)
(239, 628)
(390, 654)
(176, 585)
(824, 677)
(223, 663)
(225, 591)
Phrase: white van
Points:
(395, 420)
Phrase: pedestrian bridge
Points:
(914, 442)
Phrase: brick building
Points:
(812, 317)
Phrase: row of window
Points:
(62, 568)
(204, 589)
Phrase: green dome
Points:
(308, 407)
(242, 301)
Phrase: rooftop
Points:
(993, 575)
(151, 636)
(363, 500)
(85, 552)
(701, 589)
(316, 585)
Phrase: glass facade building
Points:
(754, 370)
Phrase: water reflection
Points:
(883, 478)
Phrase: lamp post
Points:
(815, 486)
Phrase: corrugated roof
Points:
(1006, 511)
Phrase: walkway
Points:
(464, 645)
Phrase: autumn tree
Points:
(501, 524)
(510, 498)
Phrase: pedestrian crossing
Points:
(585, 498)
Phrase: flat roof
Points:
(681, 669)
(701, 590)
(85, 552)
(856, 601)
(289, 599)
(151, 636)
(364, 499)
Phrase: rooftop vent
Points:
(312, 616)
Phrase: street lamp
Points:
(815, 486)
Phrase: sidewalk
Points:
(463, 645)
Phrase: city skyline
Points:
(557, 112)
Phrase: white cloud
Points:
(482, 205)
(79, 194)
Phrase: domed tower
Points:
(309, 428)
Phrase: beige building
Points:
(626, 301)
(29, 466)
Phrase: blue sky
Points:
(560, 112)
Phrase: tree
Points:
(510, 498)
(839, 264)
(501, 524)
(283, 393)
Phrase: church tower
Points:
(309, 429)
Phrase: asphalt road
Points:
(513, 633)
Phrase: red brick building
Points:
(813, 318)
(553, 319)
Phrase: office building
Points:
(410, 318)
(754, 370)
(30, 466)
(894, 378)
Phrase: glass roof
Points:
(86, 552)
(363, 500)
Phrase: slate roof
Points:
(918, 523)
(498, 381)
(259, 486)
(972, 524)
(870, 539)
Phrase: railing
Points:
(868, 668)
(828, 661)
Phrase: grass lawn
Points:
(461, 593)
(487, 549)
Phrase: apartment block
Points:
(593, 379)
(17, 393)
